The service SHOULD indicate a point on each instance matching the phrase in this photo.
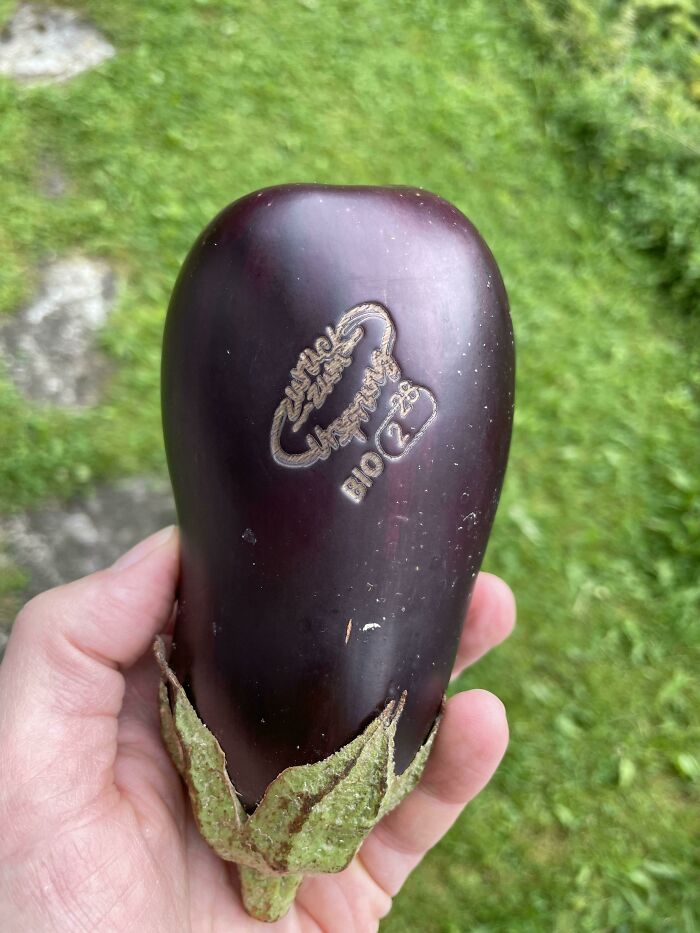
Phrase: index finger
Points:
(490, 620)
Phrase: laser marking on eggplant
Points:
(318, 371)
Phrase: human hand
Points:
(97, 831)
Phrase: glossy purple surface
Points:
(278, 556)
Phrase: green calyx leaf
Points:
(312, 818)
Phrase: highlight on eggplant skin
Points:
(338, 372)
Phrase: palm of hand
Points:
(99, 834)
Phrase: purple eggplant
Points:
(338, 372)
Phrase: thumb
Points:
(61, 687)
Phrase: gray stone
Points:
(48, 348)
(62, 542)
(9, 598)
(42, 45)
(52, 181)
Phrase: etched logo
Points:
(412, 410)
(318, 371)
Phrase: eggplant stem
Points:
(267, 897)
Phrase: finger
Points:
(67, 643)
(143, 769)
(469, 745)
(139, 736)
(60, 686)
(109, 617)
(142, 679)
(490, 620)
(345, 901)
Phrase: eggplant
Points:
(337, 389)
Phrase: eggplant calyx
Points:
(312, 818)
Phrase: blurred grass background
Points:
(569, 133)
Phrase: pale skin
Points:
(97, 834)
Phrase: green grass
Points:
(594, 819)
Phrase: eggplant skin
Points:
(337, 386)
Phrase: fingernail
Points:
(144, 548)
